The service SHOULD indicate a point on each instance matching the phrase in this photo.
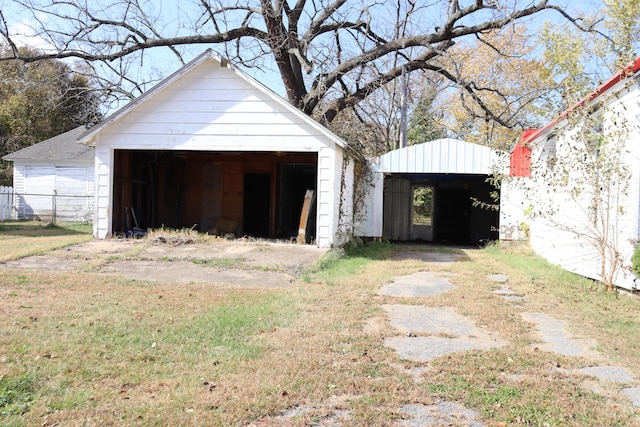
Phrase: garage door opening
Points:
(438, 208)
(255, 194)
(295, 180)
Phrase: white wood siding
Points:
(327, 200)
(559, 237)
(212, 108)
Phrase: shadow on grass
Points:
(42, 229)
(400, 251)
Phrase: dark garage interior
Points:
(439, 208)
(256, 194)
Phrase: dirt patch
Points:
(188, 272)
(439, 257)
(239, 263)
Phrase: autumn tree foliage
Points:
(509, 84)
(40, 100)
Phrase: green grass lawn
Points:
(19, 239)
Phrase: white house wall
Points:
(369, 202)
(514, 206)
(211, 109)
(560, 237)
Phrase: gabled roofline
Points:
(209, 54)
(54, 145)
(628, 71)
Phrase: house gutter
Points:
(627, 72)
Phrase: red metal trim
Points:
(626, 72)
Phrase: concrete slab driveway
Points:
(235, 263)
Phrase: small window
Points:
(422, 205)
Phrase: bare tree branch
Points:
(330, 54)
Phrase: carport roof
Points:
(442, 156)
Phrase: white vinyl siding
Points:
(54, 192)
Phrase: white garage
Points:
(53, 180)
(210, 148)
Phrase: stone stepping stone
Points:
(615, 374)
(500, 278)
(419, 319)
(557, 339)
(420, 284)
(425, 349)
(633, 394)
(440, 414)
(609, 373)
(432, 332)
(505, 291)
(508, 294)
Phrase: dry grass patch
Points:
(86, 348)
(132, 352)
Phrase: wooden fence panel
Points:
(6, 203)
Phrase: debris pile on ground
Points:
(173, 240)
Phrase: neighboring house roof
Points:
(440, 156)
(61, 147)
(88, 137)
(628, 71)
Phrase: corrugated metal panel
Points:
(440, 156)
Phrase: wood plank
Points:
(304, 216)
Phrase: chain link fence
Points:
(45, 207)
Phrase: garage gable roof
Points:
(61, 147)
(441, 156)
(88, 137)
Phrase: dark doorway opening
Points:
(453, 216)
(454, 219)
(257, 204)
(257, 194)
(294, 181)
